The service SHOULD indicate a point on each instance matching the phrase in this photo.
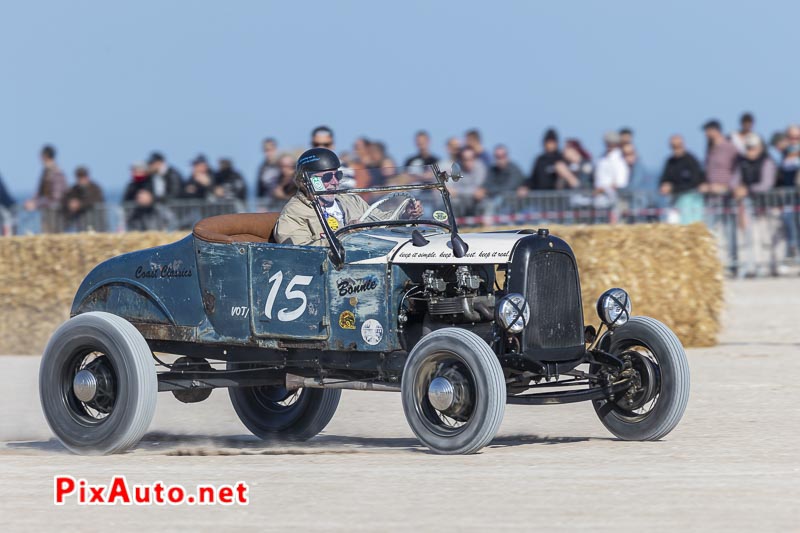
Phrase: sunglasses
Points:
(322, 145)
(328, 176)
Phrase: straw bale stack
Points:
(672, 273)
(40, 274)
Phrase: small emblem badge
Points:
(441, 216)
(347, 320)
(316, 182)
(372, 332)
(333, 223)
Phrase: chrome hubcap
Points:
(441, 394)
(85, 385)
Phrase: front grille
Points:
(553, 294)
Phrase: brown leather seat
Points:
(240, 227)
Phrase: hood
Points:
(484, 248)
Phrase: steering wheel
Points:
(395, 214)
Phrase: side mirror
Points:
(460, 248)
(455, 172)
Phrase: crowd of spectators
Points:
(735, 167)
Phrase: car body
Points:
(460, 324)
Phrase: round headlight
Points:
(614, 308)
(513, 313)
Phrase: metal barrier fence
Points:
(758, 234)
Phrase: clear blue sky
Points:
(107, 82)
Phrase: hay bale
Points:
(41, 274)
(672, 273)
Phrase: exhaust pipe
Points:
(299, 382)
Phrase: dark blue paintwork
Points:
(158, 285)
(254, 293)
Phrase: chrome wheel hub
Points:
(441, 394)
(85, 385)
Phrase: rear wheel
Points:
(657, 400)
(273, 412)
(454, 392)
(97, 384)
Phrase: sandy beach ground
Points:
(733, 463)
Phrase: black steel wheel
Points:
(659, 372)
(454, 392)
(97, 384)
(273, 412)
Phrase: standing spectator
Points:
(755, 173)
(473, 139)
(612, 171)
(143, 213)
(52, 186)
(81, 203)
(140, 179)
(381, 165)
(544, 175)
(642, 185)
(286, 185)
(423, 155)
(625, 136)
(789, 173)
(268, 171)
(453, 153)
(778, 142)
(229, 183)
(681, 179)
(149, 215)
(466, 193)
(322, 137)
(788, 180)
(579, 171)
(720, 160)
(166, 183)
(746, 122)
(6, 203)
(200, 181)
(720, 163)
(360, 149)
(504, 177)
(6, 200)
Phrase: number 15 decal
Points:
(284, 315)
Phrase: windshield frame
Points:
(337, 251)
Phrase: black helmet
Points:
(317, 159)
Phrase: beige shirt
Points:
(299, 224)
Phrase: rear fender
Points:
(158, 285)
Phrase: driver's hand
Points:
(414, 209)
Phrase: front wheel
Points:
(655, 404)
(454, 392)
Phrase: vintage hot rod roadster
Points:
(460, 324)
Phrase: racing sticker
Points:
(347, 320)
(441, 216)
(372, 332)
(350, 286)
(333, 223)
(316, 182)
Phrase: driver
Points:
(298, 222)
